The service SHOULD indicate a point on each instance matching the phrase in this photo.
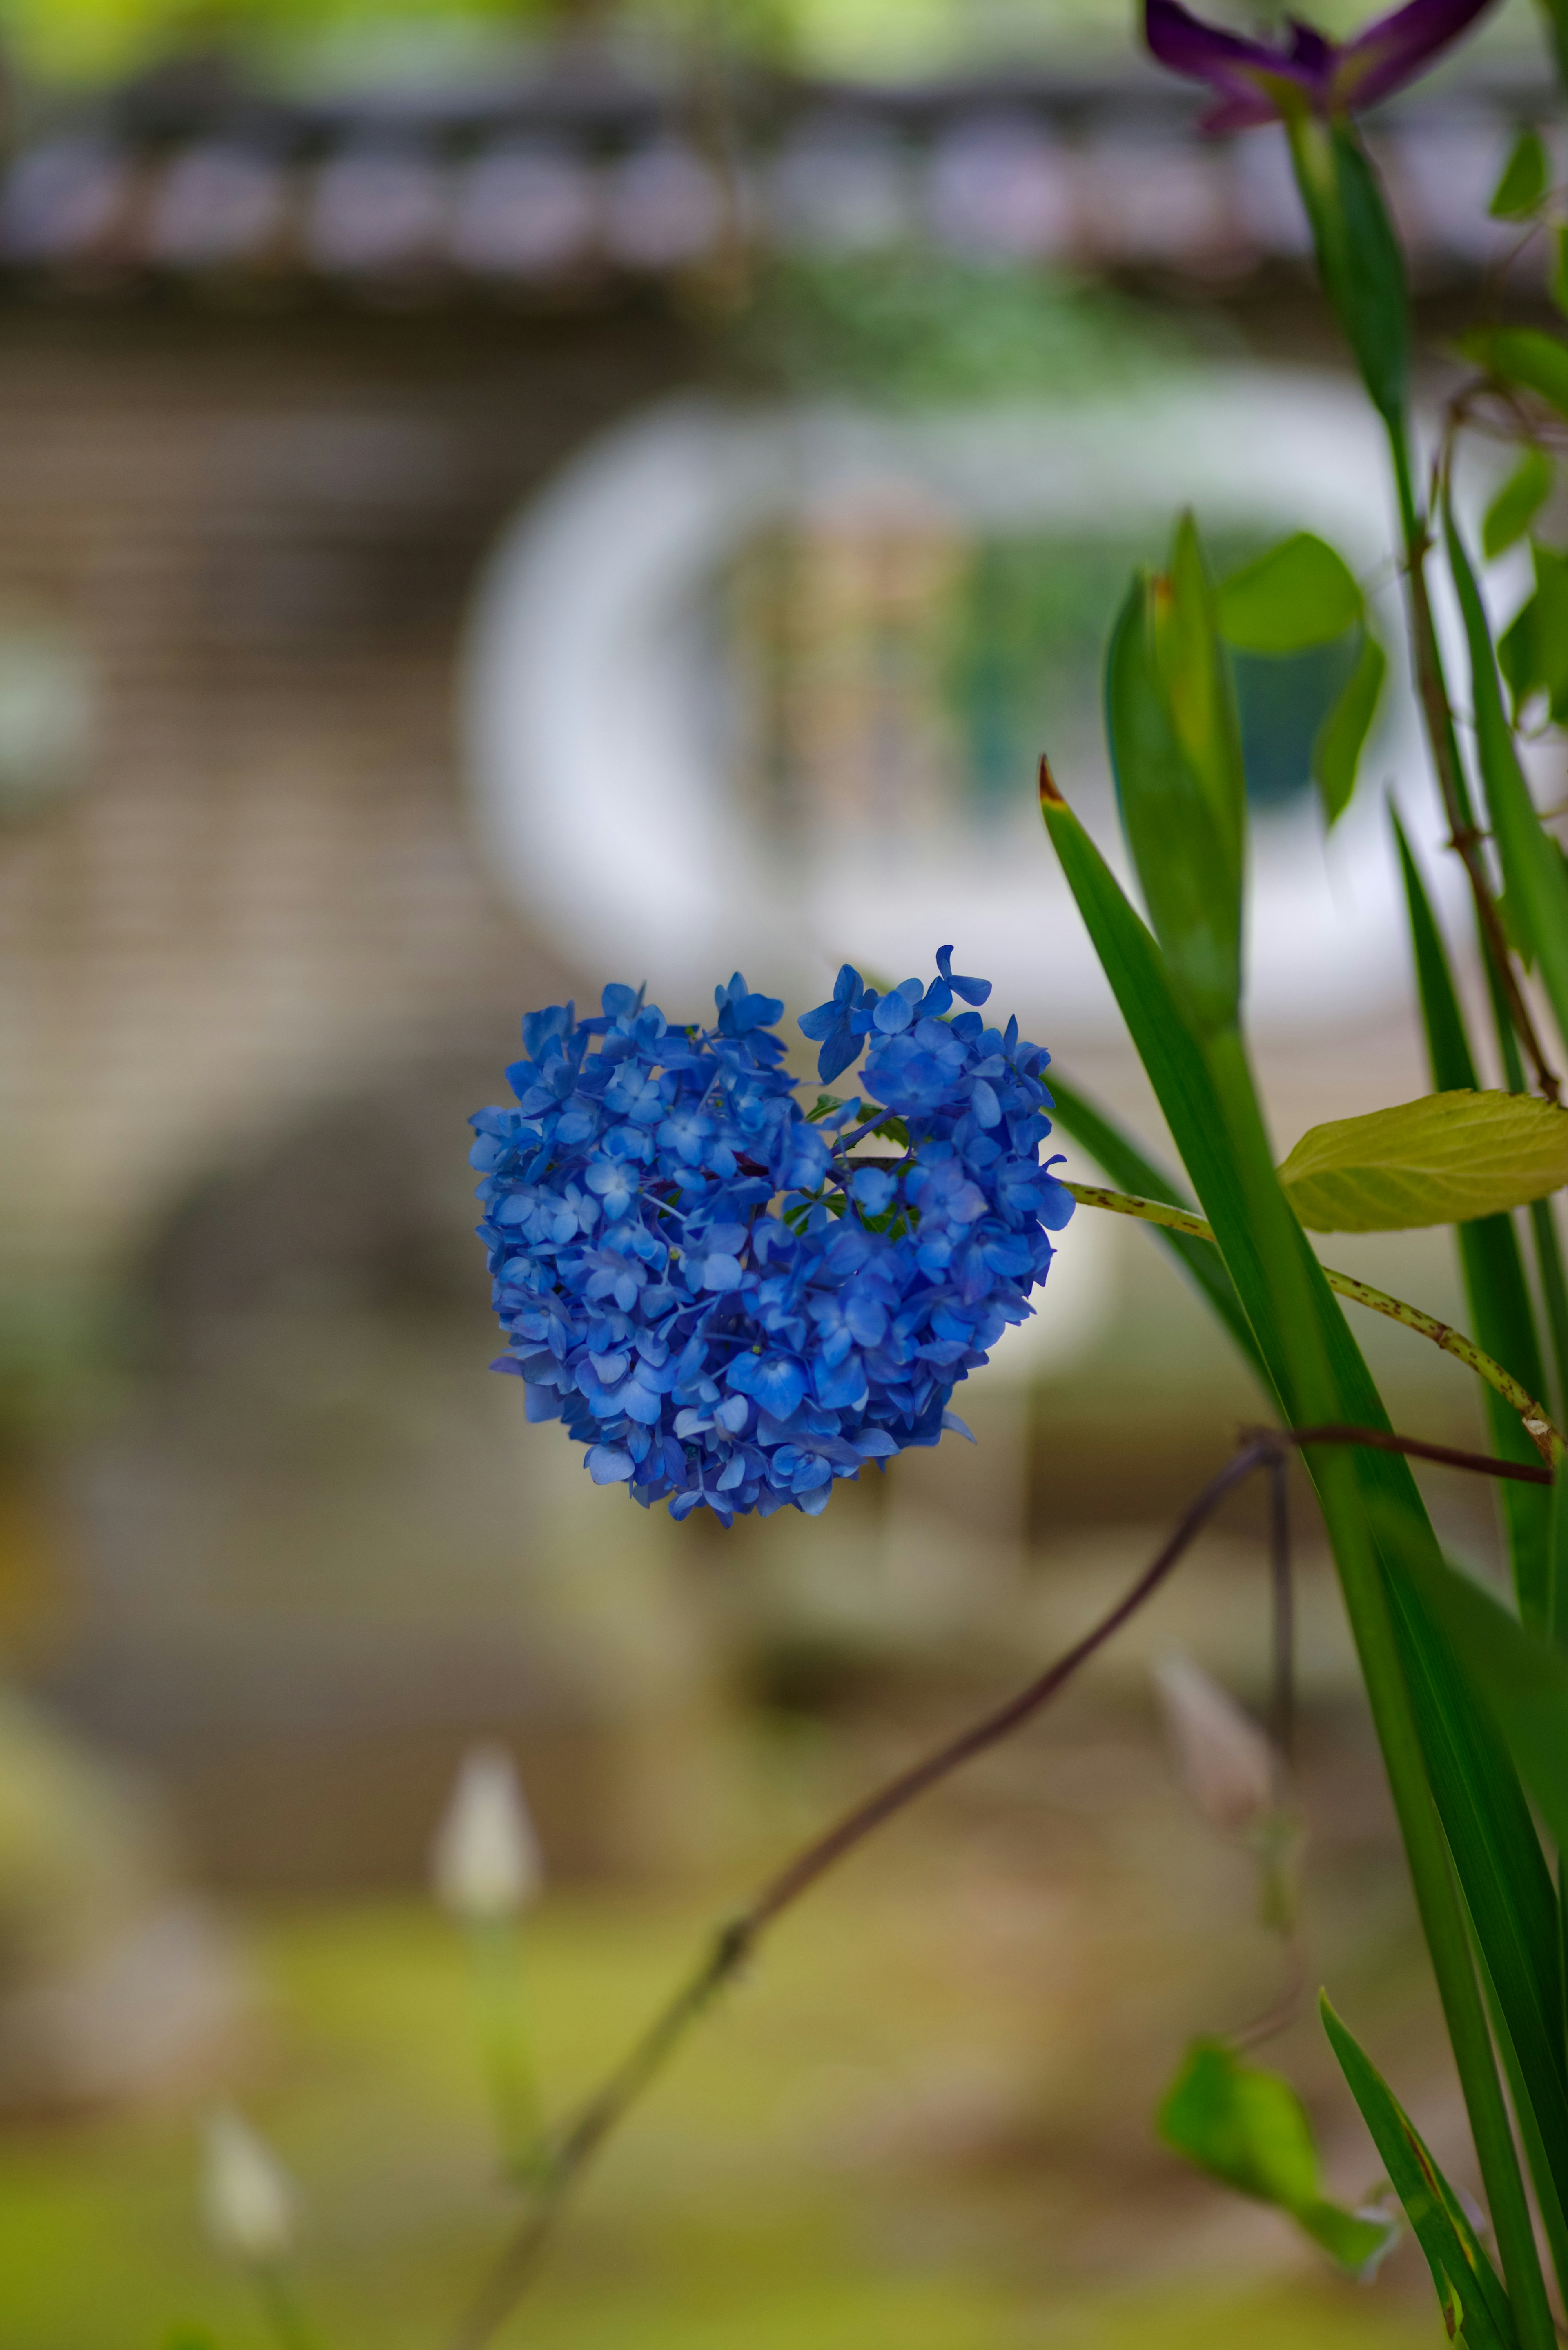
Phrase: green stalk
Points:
(1547, 1248)
(1547, 1440)
(1282, 1244)
(1432, 691)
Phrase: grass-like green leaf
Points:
(1176, 757)
(1533, 651)
(1532, 864)
(1521, 1675)
(1474, 2305)
(1445, 1158)
(1501, 1313)
(1496, 1853)
(1300, 594)
(1526, 176)
(1517, 503)
(1114, 1150)
(1250, 2128)
(1525, 356)
(1342, 737)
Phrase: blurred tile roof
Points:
(578, 186)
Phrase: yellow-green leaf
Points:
(1444, 1159)
(1251, 2130)
(1517, 503)
(1526, 176)
(1298, 595)
(1523, 356)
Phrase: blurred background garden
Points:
(493, 499)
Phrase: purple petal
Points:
(1393, 51)
(1240, 72)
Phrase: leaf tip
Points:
(1050, 798)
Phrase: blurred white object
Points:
(486, 1862)
(1227, 1764)
(601, 712)
(247, 2201)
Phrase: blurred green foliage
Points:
(913, 328)
(752, 2200)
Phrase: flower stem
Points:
(1548, 1441)
(574, 2149)
(1436, 711)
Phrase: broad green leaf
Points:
(1126, 1166)
(1501, 1315)
(1533, 650)
(1336, 754)
(1517, 503)
(1473, 2302)
(1187, 857)
(1526, 176)
(1298, 595)
(1557, 272)
(1496, 1852)
(1523, 356)
(1532, 864)
(1443, 1159)
(1251, 2130)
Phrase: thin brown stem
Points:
(736, 1941)
(574, 2149)
(1415, 1448)
(1282, 1594)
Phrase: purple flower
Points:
(1258, 81)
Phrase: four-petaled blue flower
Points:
(727, 1308)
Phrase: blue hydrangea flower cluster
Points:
(721, 1302)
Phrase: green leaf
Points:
(1496, 1852)
(1251, 2130)
(1521, 1675)
(1517, 503)
(1501, 1315)
(1185, 845)
(1557, 274)
(1342, 737)
(1525, 356)
(1526, 176)
(1532, 865)
(1473, 2302)
(1443, 1159)
(1298, 595)
(1196, 679)
(1533, 650)
(1120, 1158)
(1359, 257)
